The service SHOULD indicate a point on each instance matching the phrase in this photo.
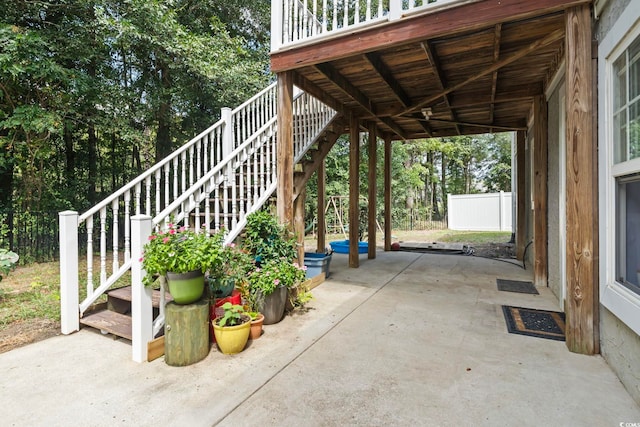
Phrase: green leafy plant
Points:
(8, 261)
(265, 239)
(179, 250)
(234, 315)
(275, 273)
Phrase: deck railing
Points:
(293, 21)
(213, 182)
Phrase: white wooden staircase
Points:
(212, 182)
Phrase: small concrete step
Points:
(109, 321)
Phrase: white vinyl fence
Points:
(480, 212)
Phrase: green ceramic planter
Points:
(186, 288)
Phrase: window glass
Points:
(628, 232)
(626, 104)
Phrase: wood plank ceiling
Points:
(468, 82)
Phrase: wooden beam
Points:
(298, 223)
(354, 93)
(427, 47)
(354, 190)
(582, 198)
(373, 151)
(502, 127)
(284, 149)
(494, 78)
(540, 239)
(468, 17)
(551, 38)
(385, 73)
(322, 194)
(387, 193)
(521, 199)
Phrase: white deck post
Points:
(69, 299)
(276, 24)
(395, 9)
(141, 308)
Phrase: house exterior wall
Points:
(556, 196)
(619, 344)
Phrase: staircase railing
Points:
(297, 20)
(214, 181)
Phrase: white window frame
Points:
(620, 300)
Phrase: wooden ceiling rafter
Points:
(501, 127)
(551, 38)
(386, 74)
(440, 80)
(317, 92)
(494, 78)
(354, 93)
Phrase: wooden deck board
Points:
(110, 321)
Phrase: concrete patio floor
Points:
(406, 339)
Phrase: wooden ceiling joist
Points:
(551, 38)
(440, 80)
(354, 93)
(494, 78)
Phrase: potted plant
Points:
(232, 329)
(265, 239)
(8, 261)
(251, 302)
(269, 285)
(230, 271)
(182, 256)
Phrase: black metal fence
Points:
(32, 235)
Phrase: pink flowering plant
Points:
(274, 273)
(179, 250)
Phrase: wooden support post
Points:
(298, 222)
(540, 191)
(372, 190)
(284, 153)
(521, 201)
(322, 190)
(387, 193)
(582, 300)
(354, 190)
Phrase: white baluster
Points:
(367, 15)
(314, 18)
(103, 245)
(183, 172)
(138, 191)
(158, 183)
(69, 298)
(345, 17)
(167, 184)
(176, 181)
(395, 9)
(89, 225)
(256, 170)
(127, 226)
(114, 209)
(356, 15)
(324, 16)
(380, 10)
(276, 24)
(216, 206)
(147, 184)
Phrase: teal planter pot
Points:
(186, 288)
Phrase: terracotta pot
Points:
(256, 327)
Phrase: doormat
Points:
(535, 323)
(516, 286)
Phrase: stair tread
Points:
(124, 294)
(110, 321)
